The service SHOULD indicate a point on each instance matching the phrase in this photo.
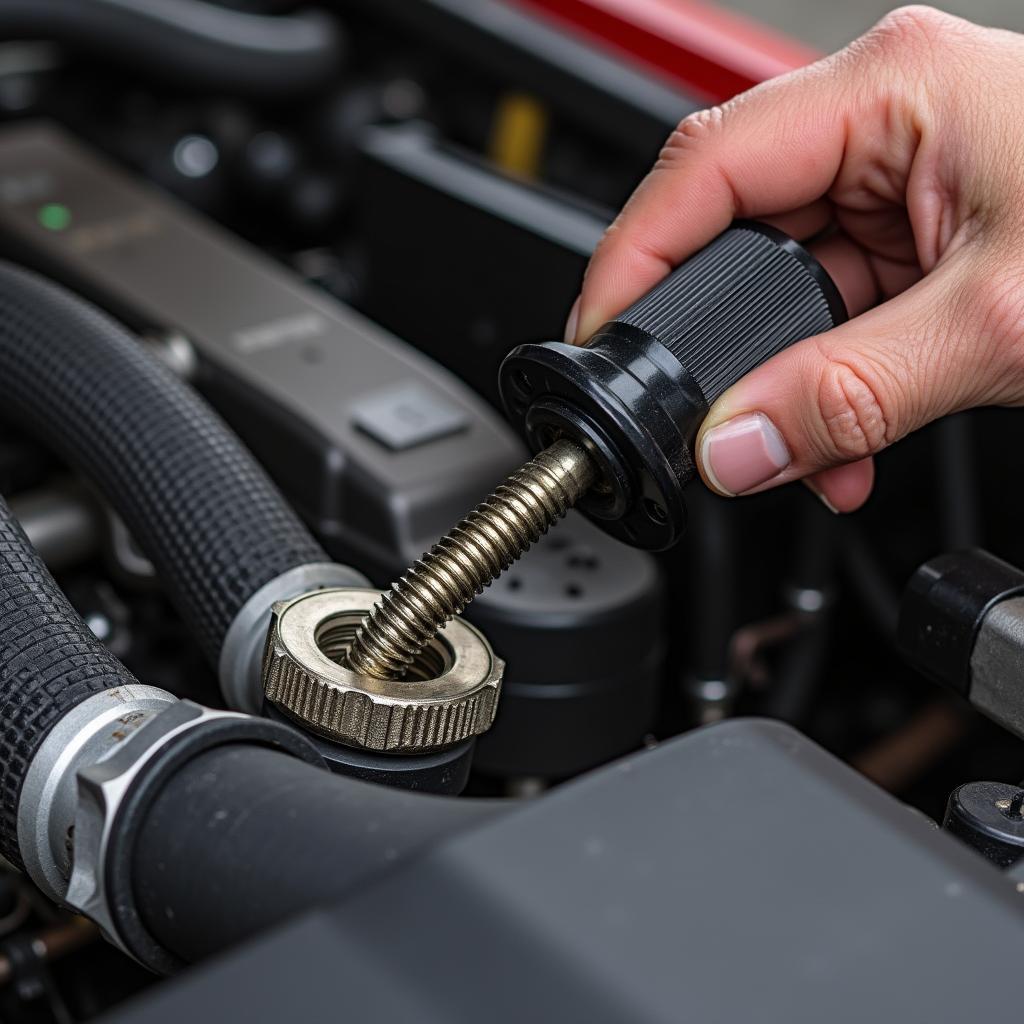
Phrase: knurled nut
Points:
(386, 715)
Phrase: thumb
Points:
(837, 399)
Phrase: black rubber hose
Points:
(49, 663)
(195, 45)
(243, 837)
(197, 502)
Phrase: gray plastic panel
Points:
(738, 873)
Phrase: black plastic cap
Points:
(636, 394)
(942, 610)
(626, 399)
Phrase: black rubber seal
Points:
(444, 772)
(169, 759)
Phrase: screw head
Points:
(454, 697)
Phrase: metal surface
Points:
(241, 657)
(47, 805)
(997, 666)
(450, 695)
(175, 351)
(102, 786)
(475, 552)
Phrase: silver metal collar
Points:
(241, 657)
(49, 794)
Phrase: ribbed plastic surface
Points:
(195, 499)
(732, 306)
(49, 663)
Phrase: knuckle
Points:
(910, 40)
(854, 417)
(911, 26)
(694, 132)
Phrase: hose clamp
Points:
(49, 795)
(114, 794)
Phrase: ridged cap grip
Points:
(746, 296)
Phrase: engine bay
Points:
(262, 266)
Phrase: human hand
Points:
(910, 142)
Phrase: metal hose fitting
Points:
(475, 552)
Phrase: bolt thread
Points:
(475, 552)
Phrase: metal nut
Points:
(450, 693)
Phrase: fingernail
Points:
(573, 322)
(743, 453)
(820, 495)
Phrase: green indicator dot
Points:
(54, 216)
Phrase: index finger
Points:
(775, 148)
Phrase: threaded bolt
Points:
(474, 553)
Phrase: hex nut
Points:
(454, 697)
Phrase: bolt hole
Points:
(515, 583)
(572, 590)
(334, 636)
(557, 544)
(1014, 808)
(655, 512)
(522, 382)
(588, 562)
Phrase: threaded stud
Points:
(475, 552)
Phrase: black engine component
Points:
(406, 172)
